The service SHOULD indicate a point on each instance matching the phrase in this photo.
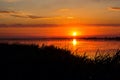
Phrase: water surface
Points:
(77, 46)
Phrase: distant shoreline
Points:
(63, 38)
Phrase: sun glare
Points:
(74, 33)
(74, 42)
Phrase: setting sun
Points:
(74, 33)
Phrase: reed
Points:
(50, 62)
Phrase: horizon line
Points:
(62, 38)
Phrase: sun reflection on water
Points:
(74, 42)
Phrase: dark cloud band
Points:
(114, 8)
(5, 11)
(19, 15)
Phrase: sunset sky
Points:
(51, 18)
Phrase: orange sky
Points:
(51, 18)
(59, 31)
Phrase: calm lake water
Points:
(78, 46)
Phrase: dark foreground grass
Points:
(29, 62)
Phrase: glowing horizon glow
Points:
(74, 34)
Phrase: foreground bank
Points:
(24, 62)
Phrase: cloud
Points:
(114, 8)
(10, 1)
(35, 17)
(13, 1)
(7, 12)
(28, 16)
(29, 25)
(105, 25)
(21, 14)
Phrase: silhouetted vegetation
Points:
(24, 62)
